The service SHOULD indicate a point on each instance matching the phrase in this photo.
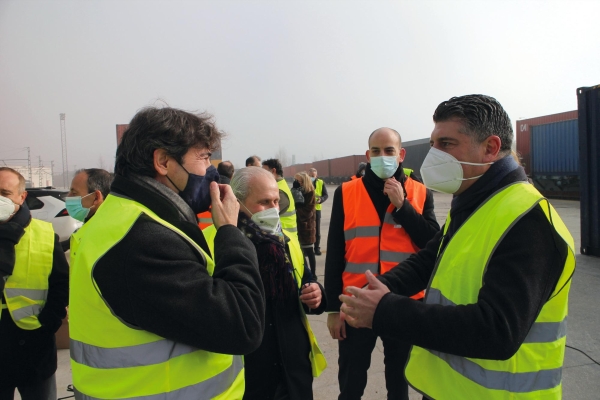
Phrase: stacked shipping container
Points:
(549, 150)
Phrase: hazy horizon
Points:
(313, 78)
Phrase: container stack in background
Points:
(548, 147)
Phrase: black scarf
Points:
(274, 264)
(10, 234)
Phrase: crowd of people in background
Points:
(188, 280)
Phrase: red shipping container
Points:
(523, 134)
(322, 167)
(120, 131)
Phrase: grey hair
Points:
(240, 183)
(97, 179)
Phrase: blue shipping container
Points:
(555, 149)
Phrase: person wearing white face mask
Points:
(281, 367)
(34, 289)
(377, 221)
(497, 276)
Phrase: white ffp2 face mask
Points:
(443, 172)
(267, 220)
(7, 208)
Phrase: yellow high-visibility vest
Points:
(288, 218)
(318, 192)
(26, 290)
(535, 370)
(317, 359)
(112, 360)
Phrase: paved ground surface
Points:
(581, 376)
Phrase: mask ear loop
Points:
(173, 183)
(242, 204)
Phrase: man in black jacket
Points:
(27, 344)
(471, 158)
(412, 219)
(158, 278)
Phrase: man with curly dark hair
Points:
(155, 313)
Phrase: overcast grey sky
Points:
(313, 77)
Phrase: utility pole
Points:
(52, 171)
(63, 139)
(40, 171)
(29, 165)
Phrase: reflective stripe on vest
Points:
(205, 219)
(288, 218)
(318, 192)
(202, 390)
(370, 245)
(26, 290)
(535, 370)
(111, 359)
(540, 332)
(317, 359)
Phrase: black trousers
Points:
(42, 390)
(355, 359)
(309, 258)
(318, 225)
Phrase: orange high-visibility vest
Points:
(205, 219)
(371, 245)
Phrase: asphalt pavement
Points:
(581, 375)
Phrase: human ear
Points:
(492, 148)
(402, 154)
(160, 160)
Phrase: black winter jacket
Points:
(153, 279)
(30, 356)
(518, 280)
(282, 357)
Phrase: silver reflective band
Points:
(288, 213)
(393, 256)
(204, 390)
(33, 294)
(361, 231)
(545, 332)
(24, 312)
(540, 332)
(515, 382)
(205, 220)
(388, 219)
(129, 356)
(294, 229)
(361, 268)
(434, 296)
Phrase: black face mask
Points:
(296, 184)
(196, 192)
